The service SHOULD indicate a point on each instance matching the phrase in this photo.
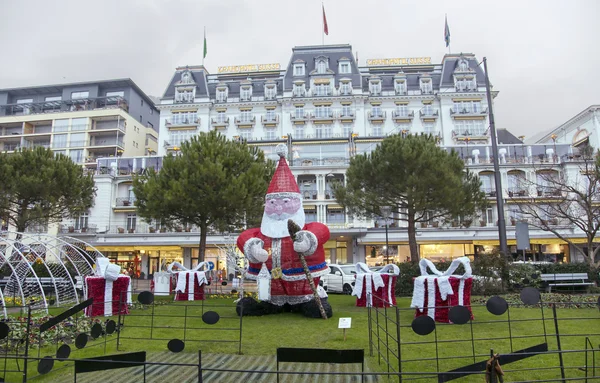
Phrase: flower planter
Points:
(131, 231)
(152, 230)
(482, 223)
(121, 230)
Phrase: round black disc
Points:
(210, 317)
(63, 352)
(81, 340)
(423, 325)
(496, 305)
(45, 365)
(233, 291)
(96, 330)
(111, 326)
(224, 283)
(535, 276)
(146, 297)
(4, 330)
(530, 296)
(175, 345)
(459, 315)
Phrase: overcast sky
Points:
(543, 56)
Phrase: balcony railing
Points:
(220, 122)
(32, 145)
(321, 92)
(71, 105)
(377, 116)
(11, 147)
(517, 192)
(470, 133)
(182, 121)
(309, 193)
(548, 192)
(298, 116)
(489, 192)
(428, 113)
(245, 120)
(322, 116)
(299, 93)
(467, 112)
(345, 115)
(398, 115)
(102, 125)
(330, 161)
(272, 120)
(125, 201)
(102, 143)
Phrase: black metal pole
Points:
(387, 246)
(560, 355)
(27, 344)
(497, 179)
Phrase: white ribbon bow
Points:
(373, 281)
(443, 282)
(186, 275)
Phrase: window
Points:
(322, 90)
(76, 156)
(323, 131)
(270, 92)
(321, 66)
(52, 98)
(378, 130)
(429, 127)
(78, 124)
(470, 127)
(141, 102)
(77, 139)
(299, 90)
(184, 118)
(271, 133)
(184, 96)
(345, 88)
(427, 110)
(119, 93)
(299, 131)
(59, 141)
(57, 152)
(79, 95)
(131, 221)
(403, 127)
(347, 111)
(467, 107)
(245, 134)
(221, 117)
(488, 216)
(298, 69)
(344, 67)
(347, 129)
(81, 222)
(245, 93)
(221, 95)
(270, 115)
(25, 101)
(375, 87)
(463, 66)
(246, 116)
(426, 86)
(401, 110)
(322, 111)
(465, 84)
(61, 125)
(400, 87)
(376, 111)
(299, 111)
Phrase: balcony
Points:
(345, 116)
(322, 117)
(320, 92)
(548, 192)
(465, 134)
(75, 230)
(269, 121)
(38, 144)
(124, 202)
(245, 121)
(377, 117)
(299, 93)
(8, 147)
(489, 192)
(99, 143)
(328, 161)
(401, 116)
(309, 194)
(299, 118)
(74, 105)
(179, 122)
(518, 192)
(105, 125)
(464, 112)
(219, 123)
(426, 114)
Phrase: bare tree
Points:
(566, 199)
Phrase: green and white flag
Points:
(205, 48)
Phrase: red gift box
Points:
(97, 289)
(190, 283)
(434, 295)
(375, 288)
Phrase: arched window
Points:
(463, 66)
(321, 66)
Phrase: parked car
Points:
(340, 279)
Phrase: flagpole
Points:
(203, 44)
(322, 24)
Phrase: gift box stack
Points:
(375, 288)
(190, 283)
(109, 289)
(162, 283)
(434, 295)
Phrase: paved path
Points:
(177, 374)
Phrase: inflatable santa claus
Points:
(274, 257)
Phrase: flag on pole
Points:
(325, 29)
(205, 48)
(447, 33)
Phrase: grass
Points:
(262, 335)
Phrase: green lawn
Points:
(262, 335)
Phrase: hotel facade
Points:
(327, 108)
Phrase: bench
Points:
(320, 355)
(565, 280)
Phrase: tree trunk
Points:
(202, 244)
(412, 238)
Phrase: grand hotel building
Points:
(327, 108)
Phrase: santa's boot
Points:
(252, 307)
(311, 309)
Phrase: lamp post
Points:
(385, 211)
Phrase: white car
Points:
(340, 279)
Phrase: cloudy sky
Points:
(543, 55)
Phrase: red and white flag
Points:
(325, 29)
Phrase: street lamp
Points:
(385, 211)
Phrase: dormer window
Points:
(400, 86)
(184, 95)
(344, 67)
(345, 88)
(186, 77)
(321, 66)
(222, 95)
(426, 86)
(270, 92)
(322, 90)
(245, 93)
(375, 87)
(463, 66)
(298, 69)
(465, 84)
(299, 90)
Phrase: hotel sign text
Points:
(248, 68)
(399, 61)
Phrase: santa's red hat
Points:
(283, 181)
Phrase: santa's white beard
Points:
(275, 225)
